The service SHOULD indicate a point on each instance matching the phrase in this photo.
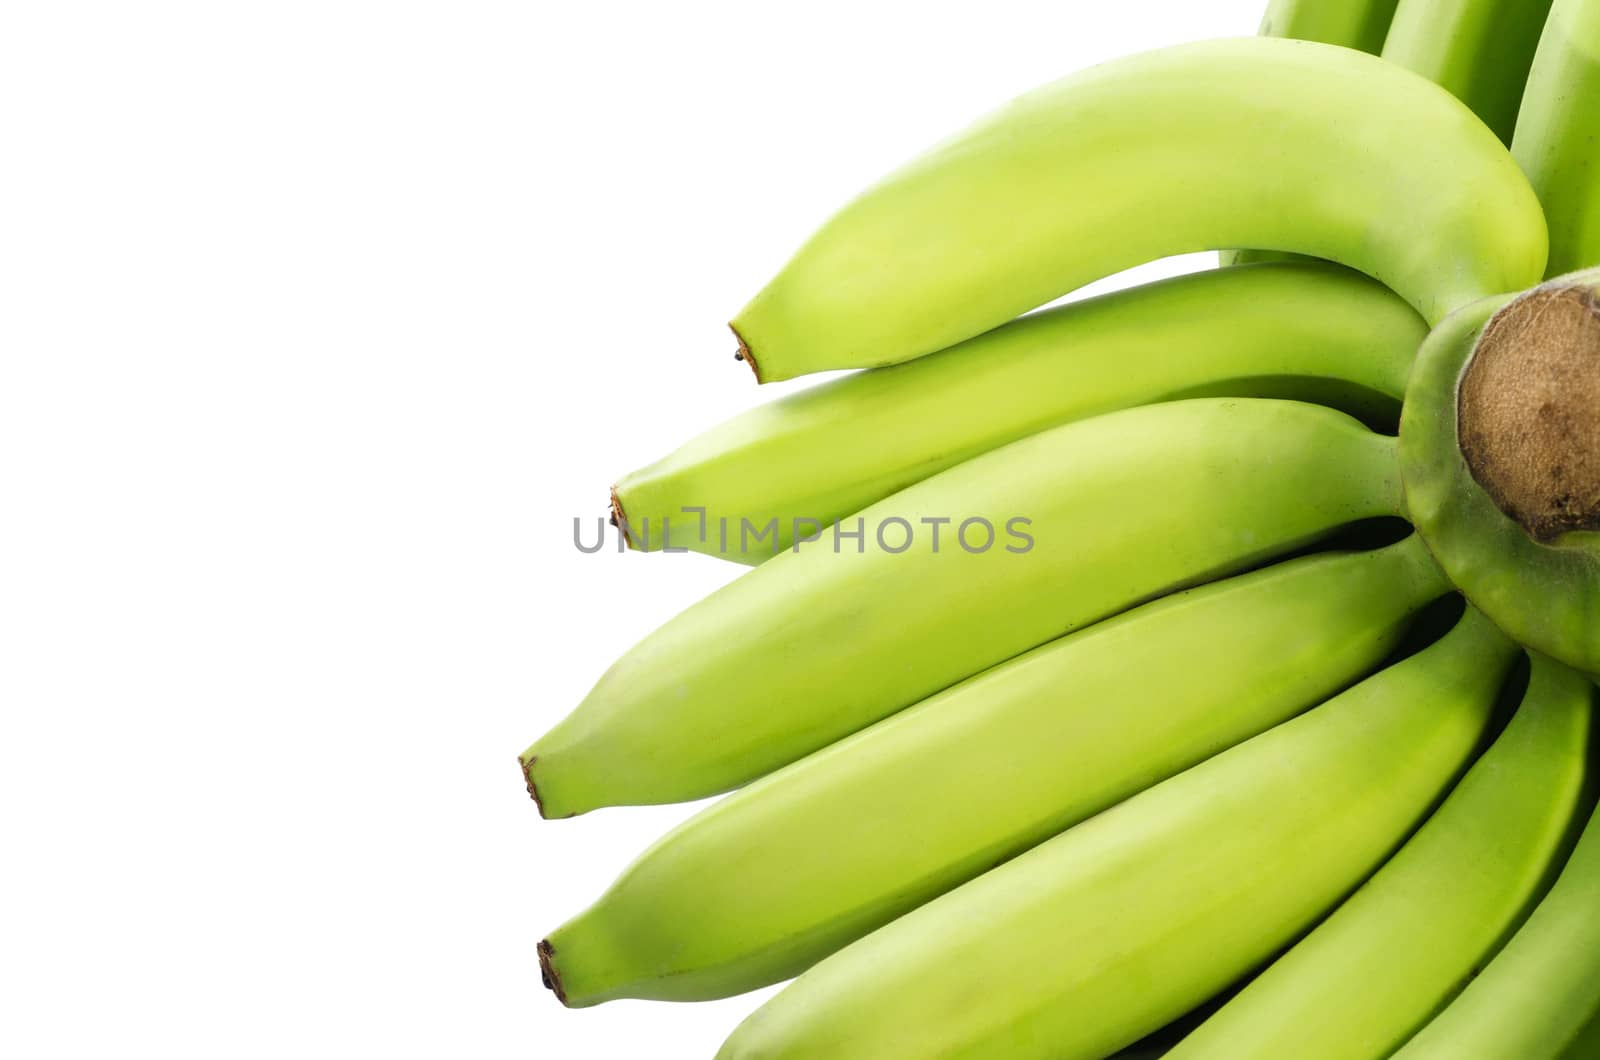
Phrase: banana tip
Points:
(745, 355)
(533, 789)
(547, 970)
(619, 518)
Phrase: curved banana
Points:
(1539, 998)
(1272, 144)
(1555, 141)
(1314, 331)
(1478, 49)
(952, 575)
(1358, 24)
(1388, 959)
(1110, 930)
(779, 874)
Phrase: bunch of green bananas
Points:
(1267, 731)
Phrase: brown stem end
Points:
(1529, 411)
(745, 355)
(527, 777)
(619, 518)
(547, 970)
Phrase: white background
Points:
(319, 323)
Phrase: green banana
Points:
(1555, 141)
(1274, 144)
(1389, 958)
(1358, 24)
(765, 883)
(1585, 1044)
(1478, 49)
(1083, 521)
(1096, 937)
(1539, 998)
(1316, 332)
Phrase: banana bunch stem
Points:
(1500, 450)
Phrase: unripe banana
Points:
(1539, 998)
(1358, 24)
(1393, 955)
(779, 874)
(1083, 521)
(1097, 937)
(1478, 49)
(1273, 144)
(1556, 144)
(1315, 332)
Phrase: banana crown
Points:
(1500, 453)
